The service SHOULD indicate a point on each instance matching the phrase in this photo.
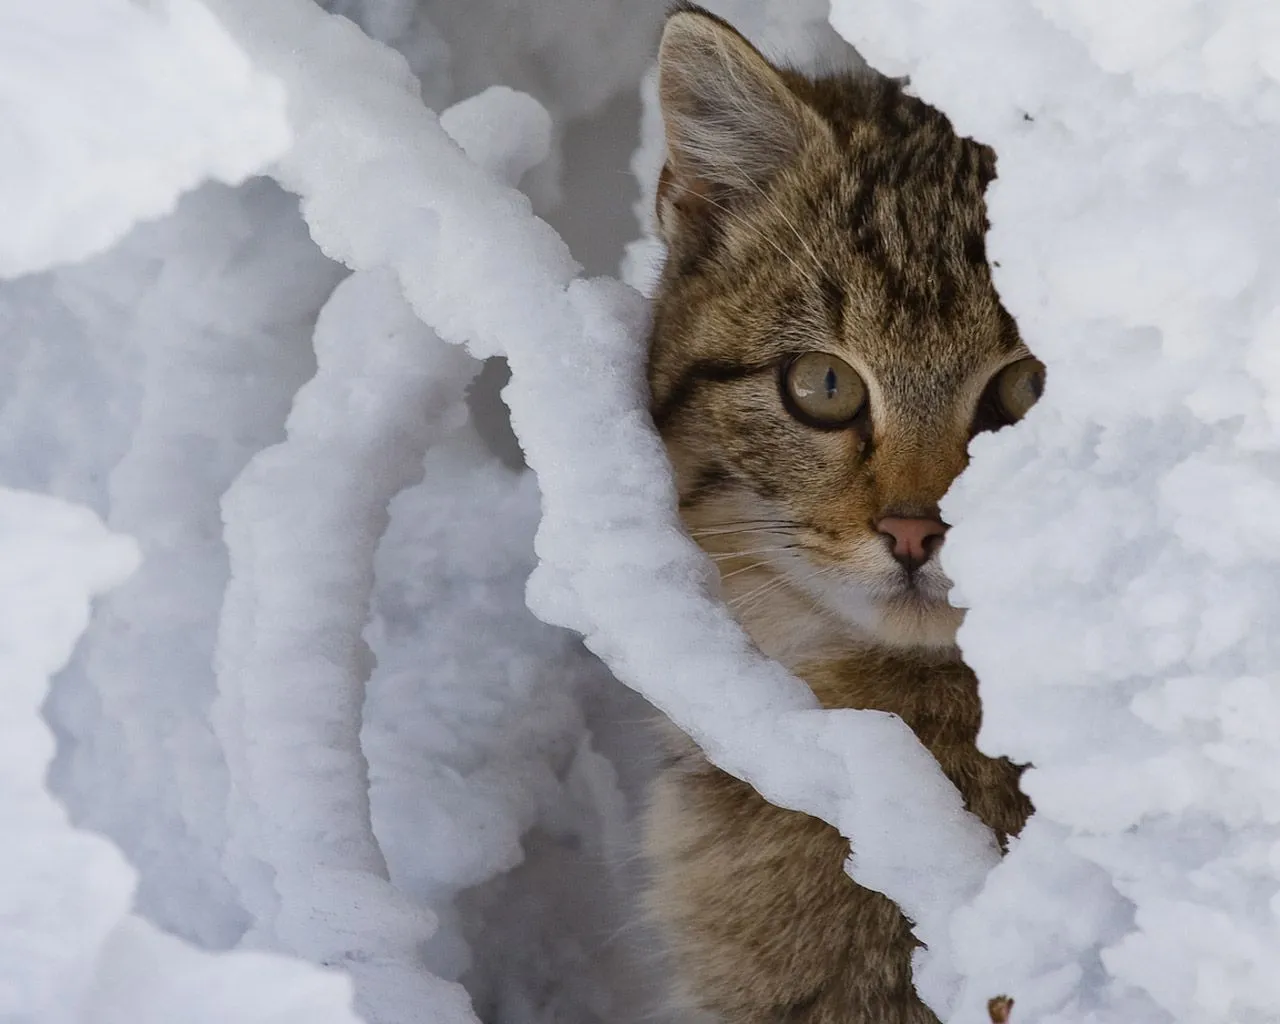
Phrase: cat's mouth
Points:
(926, 584)
(921, 588)
(782, 579)
(887, 602)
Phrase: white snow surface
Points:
(145, 383)
(318, 724)
(148, 99)
(1118, 549)
(302, 522)
(70, 949)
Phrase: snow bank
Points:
(574, 56)
(490, 800)
(146, 379)
(173, 102)
(69, 948)
(382, 185)
(142, 383)
(53, 558)
(1118, 547)
(302, 522)
(1117, 637)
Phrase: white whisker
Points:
(753, 565)
(721, 556)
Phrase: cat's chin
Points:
(917, 620)
(895, 611)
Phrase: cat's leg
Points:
(762, 924)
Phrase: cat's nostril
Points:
(914, 540)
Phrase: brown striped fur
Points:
(837, 215)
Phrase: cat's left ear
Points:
(732, 123)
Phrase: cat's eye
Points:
(1019, 386)
(822, 390)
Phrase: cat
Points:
(826, 340)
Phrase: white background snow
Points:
(310, 720)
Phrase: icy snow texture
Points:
(142, 383)
(69, 948)
(302, 523)
(148, 100)
(146, 379)
(1119, 547)
(53, 558)
(576, 57)
(477, 733)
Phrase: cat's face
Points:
(827, 338)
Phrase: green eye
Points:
(1019, 386)
(823, 391)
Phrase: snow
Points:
(175, 364)
(491, 752)
(53, 558)
(174, 102)
(302, 521)
(317, 723)
(148, 379)
(69, 946)
(1116, 549)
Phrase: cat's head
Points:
(826, 339)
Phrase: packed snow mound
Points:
(302, 522)
(148, 100)
(64, 890)
(1118, 548)
(210, 721)
(70, 950)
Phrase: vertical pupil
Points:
(829, 382)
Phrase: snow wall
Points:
(313, 721)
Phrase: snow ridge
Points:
(1118, 549)
(207, 113)
(302, 522)
(70, 949)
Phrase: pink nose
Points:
(914, 540)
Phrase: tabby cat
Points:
(826, 341)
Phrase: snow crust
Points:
(173, 101)
(69, 947)
(146, 379)
(491, 798)
(302, 522)
(1117, 548)
(144, 382)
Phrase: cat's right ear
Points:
(731, 121)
